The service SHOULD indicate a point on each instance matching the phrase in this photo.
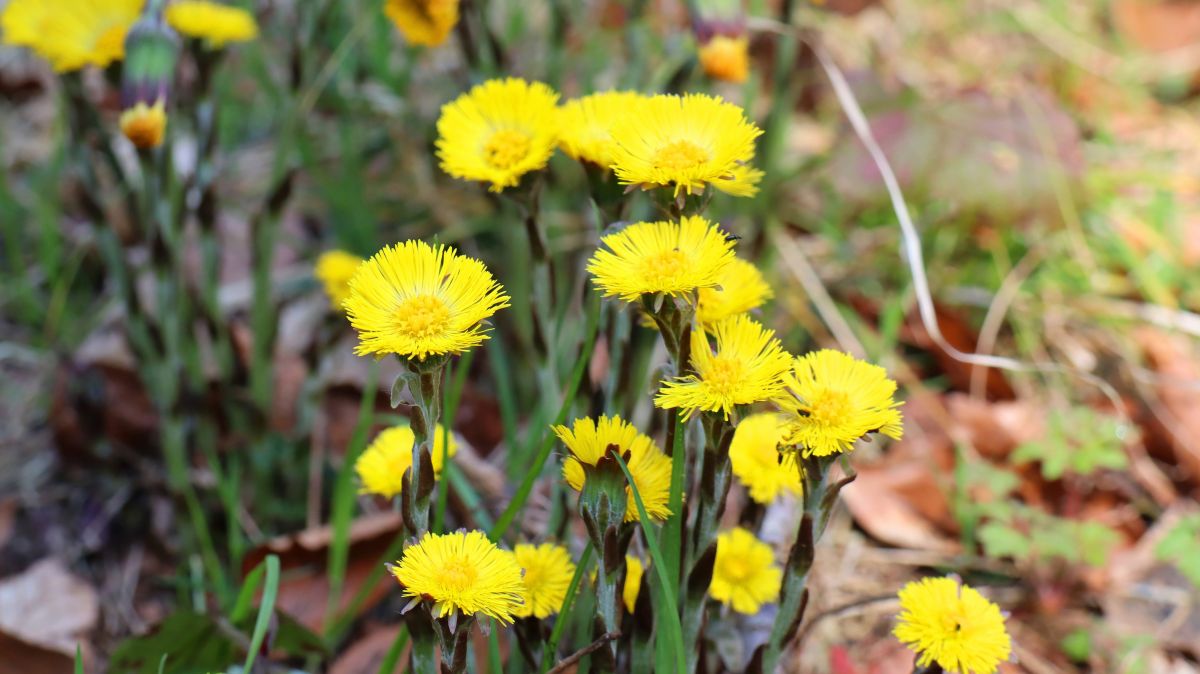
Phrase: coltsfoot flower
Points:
(214, 23)
(334, 269)
(953, 625)
(726, 57)
(833, 399)
(740, 288)
(587, 123)
(462, 571)
(548, 571)
(745, 575)
(145, 125)
(688, 142)
(417, 300)
(498, 131)
(590, 442)
(382, 465)
(757, 462)
(425, 23)
(71, 34)
(747, 367)
(661, 257)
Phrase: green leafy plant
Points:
(1078, 441)
(1181, 547)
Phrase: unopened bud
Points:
(151, 53)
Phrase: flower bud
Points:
(720, 29)
(151, 53)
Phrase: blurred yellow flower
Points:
(548, 570)
(591, 440)
(462, 571)
(744, 575)
(425, 23)
(71, 34)
(214, 23)
(633, 581)
(587, 122)
(145, 125)
(952, 625)
(726, 58)
(661, 257)
(382, 464)
(334, 269)
(757, 462)
(833, 399)
(416, 300)
(691, 142)
(498, 131)
(747, 367)
(740, 288)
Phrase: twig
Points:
(578, 655)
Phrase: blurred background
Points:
(150, 456)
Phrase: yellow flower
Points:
(687, 141)
(834, 399)
(747, 367)
(213, 22)
(587, 122)
(726, 58)
(462, 571)
(740, 288)
(334, 269)
(633, 581)
(71, 34)
(952, 625)
(145, 125)
(548, 572)
(382, 465)
(423, 22)
(744, 574)
(589, 441)
(498, 132)
(661, 257)
(415, 300)
(757, 462)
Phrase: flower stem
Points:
(425, 383)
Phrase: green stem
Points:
(425, 385)
(715, 474)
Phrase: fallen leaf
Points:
(995, 429)
(1173, 429)
(888, 516)
(47, 612)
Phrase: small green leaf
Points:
(1001, 540)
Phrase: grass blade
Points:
(265, 610)
(388, 665)
(669, 608)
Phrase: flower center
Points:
(679, 156)
(505, 148)
(724, 375)
(422, 317)
(832, 408)
(457, 575)
(663, 268)
(735, 568)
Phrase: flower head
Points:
(661, 257)
(746, 368)
(382, 465)
(834, 399)
(952, 625)
(498, 131)
(423, 22)
(757, 463)
(145, 125)
(417, 300)
(462, 571)
(548, 572)
(591, 441)
(71, 35)
(726, 57)
(587, 123)
(334, 269)
(214, 23)
(690, 142)
(740, 288)
(744, 574)
(634, 569)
